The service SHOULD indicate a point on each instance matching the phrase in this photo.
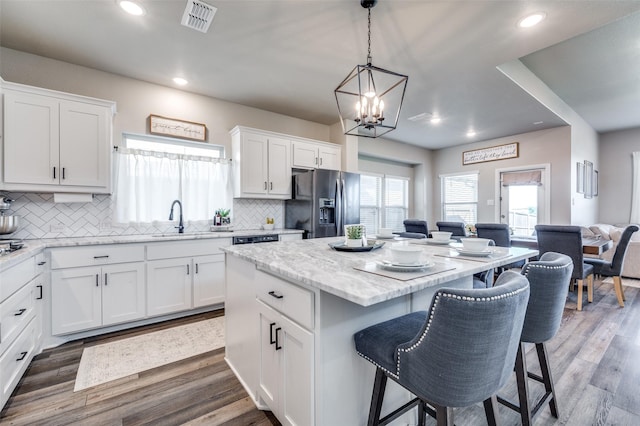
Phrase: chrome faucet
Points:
(180, 223)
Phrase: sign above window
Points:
(177, 128)
(500, 152)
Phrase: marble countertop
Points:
(33, 247)
(315, 264)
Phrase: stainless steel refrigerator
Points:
(323, 201)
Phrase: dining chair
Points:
(414, 228)
(549, 283)
(614, 268)
(468, 336)
(456, 228)
(567, 239)
(501, 234)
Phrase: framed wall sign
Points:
(177, 128)
(493, 153)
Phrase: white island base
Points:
(315, 377)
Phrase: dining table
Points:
(594, 246)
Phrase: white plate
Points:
(385, 237)
(397, 267)
(438, 242)
(479, 253)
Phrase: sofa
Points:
(631, 267)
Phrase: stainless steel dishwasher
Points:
(252, 239)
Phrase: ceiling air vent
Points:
(198, 15)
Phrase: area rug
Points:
(110, 361)
(627, 282)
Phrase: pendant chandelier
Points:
(369, 98)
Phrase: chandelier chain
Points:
(369, 38)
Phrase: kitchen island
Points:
(292, 309)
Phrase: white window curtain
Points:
(635, 198)
(147, 182)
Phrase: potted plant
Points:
(222, 217)
(354, 235)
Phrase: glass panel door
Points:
(522, 207)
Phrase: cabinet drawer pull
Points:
(97, 280)
(196, 268)
(187, 269)
(54, 172)
(106, 256)
(20, 312)
(265, 184)
(39, 287)
(271, 183)
(276, 295)
(23, 355)
(278, 347)
(41, 263)
(271, 339)
(63, 176)
(321, 161)
(105, 278)
(316, 161)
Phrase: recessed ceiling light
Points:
(471, 134)
(180, 81)
(537, 123)
(132, 7)
(531, 20)
(435, 119)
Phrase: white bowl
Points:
(405, 254)
(475, 244)
(267, 226)
(441, 235)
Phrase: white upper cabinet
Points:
(262, 164)
(55, 142)
(315, 155)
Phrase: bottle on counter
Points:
(217, 219)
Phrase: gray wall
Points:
(137, 99)
(615, 174)
(551, 146)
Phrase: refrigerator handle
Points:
(343, 194)
(338, 220)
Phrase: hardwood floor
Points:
(594, 359)
(200, 390)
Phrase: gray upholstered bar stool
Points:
(549, 284)
(459, 353)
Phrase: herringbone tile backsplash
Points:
(40, 217)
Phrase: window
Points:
(460, 198)
(384, 202)
(152, 171)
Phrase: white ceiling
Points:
(288, 56)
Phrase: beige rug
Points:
(104, 363)
(628, 282)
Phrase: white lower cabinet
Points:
(169, 285)
(208, 280)
(20, 322)
(286, 360)
(189, 282)
(90, 297)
